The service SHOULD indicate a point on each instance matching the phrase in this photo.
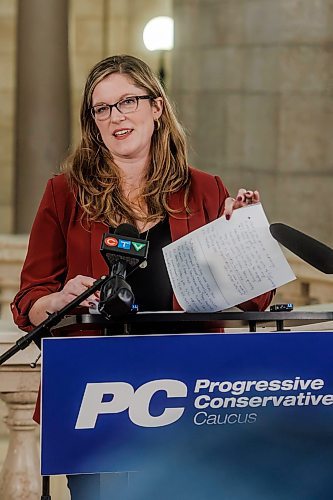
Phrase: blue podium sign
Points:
(220, 412)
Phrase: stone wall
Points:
(253, 80)
(7, 97)
(96, 29)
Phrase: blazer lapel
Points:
(98, 264)
(182, 223)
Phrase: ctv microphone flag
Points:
(124, 244)
(124, 252)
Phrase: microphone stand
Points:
(43, 330)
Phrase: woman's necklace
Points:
(147, 234)
(144, 263)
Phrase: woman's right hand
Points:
(55, 301)
(72, 289)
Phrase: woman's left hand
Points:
(244, 197)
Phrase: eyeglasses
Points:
(128, 105)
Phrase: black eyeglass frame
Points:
(115, 105)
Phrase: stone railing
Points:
(311, 287)
(20, 478)
(19, 458)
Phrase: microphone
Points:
(123, 252)
(307, 248)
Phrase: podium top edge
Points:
(188, 320)
(158, 316)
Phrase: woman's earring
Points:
(99, 138)
(156, 124)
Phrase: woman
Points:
(130, 166)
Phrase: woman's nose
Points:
(117, 116)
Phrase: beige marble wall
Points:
(7, 97)
(96, 29)
(254, 83)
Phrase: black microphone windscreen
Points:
(124, 244)
(127, 230)
(307, 248)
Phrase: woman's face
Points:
(127, 136)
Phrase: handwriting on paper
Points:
(226, 263)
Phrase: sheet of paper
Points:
(225, 263)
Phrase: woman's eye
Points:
(101, 109)
(128, 101)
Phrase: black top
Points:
(151, 286)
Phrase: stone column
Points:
(20, 475)
(42, 105)
(20, 479)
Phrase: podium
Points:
(179, 322)
(192, 415)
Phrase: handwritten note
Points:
(226, 263)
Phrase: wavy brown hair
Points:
(95, 176)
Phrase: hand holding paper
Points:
(225, 263)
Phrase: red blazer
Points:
(60, 248)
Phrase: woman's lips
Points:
(122, 133)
